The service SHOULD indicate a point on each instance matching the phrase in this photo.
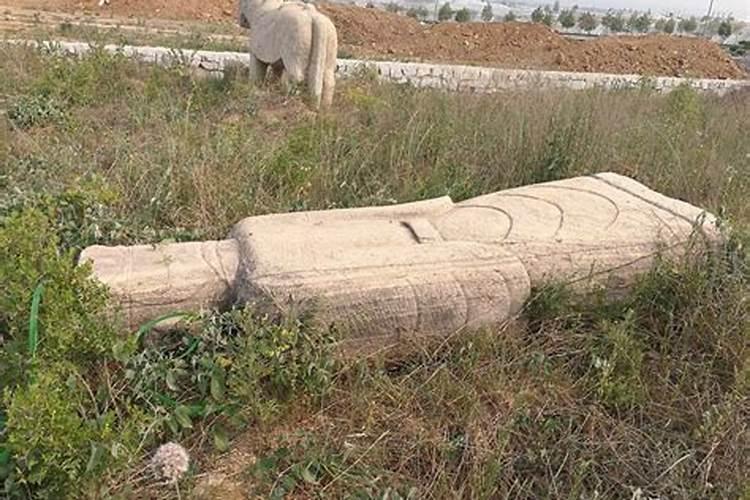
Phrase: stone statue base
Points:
(430, 267)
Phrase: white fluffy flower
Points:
(170, 462)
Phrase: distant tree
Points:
(446, 12)
(614, 22)
(709, 26)
(725, 28)
(669, 26)
(418, 12)
(632, 21)
(587, 22)
(567, 18)
(393, 7)
(639, 23)
(556, 6)
(487, 14)
(463, 15)
(688, 25)
(659, 24)
(644, 22)
(549, 17)
(509, 17)
(537, 15)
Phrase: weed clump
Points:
(48, 353)
(36, 110)
(81, 400)
(74, 326)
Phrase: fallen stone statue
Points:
(429, 267)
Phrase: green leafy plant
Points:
(275, 360)
(238, 367)
(36, 110)
(62, 425)
(71, 321)
(314, 466)
(46, 435)
(49, 345)
(36, 300)
(617, 361)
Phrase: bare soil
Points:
(373, 33)
(378, 34)
(184, 10)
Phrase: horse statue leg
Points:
(277, 71)
(329, 74)
(293, 74)
(258, 70)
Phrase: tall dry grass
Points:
(650, 394)
(200, 154)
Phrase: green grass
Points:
(36, 299)
(217, 38)
(581, 400)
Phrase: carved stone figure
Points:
(296, 40)
(430, 267)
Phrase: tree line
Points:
(614, 21)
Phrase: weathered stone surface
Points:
(379, 271)
(150, 280)
(431, 267)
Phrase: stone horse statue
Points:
(296, 40)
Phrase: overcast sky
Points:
(738, 8)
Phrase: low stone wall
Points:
(482, 79)
(441, 76)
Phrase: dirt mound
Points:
(652, 55)
(362, 27)
(377, 34)
(184, 10)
